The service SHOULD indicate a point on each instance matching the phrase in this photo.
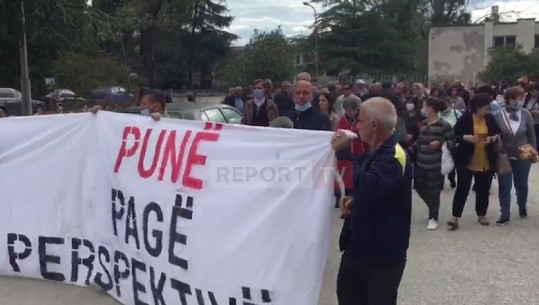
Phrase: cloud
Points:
(293, 17)
(296, 18)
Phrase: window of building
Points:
(501, 41)
(510, 41)
(537, 41)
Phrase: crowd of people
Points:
(476, 126)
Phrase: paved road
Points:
(473, 266)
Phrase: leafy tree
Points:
(82, 74)
(510, 63)
(52, 27)
(207, 40)
(267, 55)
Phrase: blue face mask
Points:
(302, 108)
(424, 112)
(145, 112)
(258, 93)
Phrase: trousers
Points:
(360, 283)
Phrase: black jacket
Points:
(378, 229)
(284, 102)
(231, 100)
(311, 119)
(464, 150)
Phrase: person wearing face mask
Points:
(154, 104)
(428, 179)
(260, 110)
(305, 115)
(413, 120)
(517, 130)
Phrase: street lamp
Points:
(25, 79)
(315, 36)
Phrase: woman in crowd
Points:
(325, 102)
(346, 156)
(475, 157)
(456, 99)
(428, 180)
(450, 115)
(434, 91)
(414, 119)
(532, 104)
(517, 129)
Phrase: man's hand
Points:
(491, 139)
(340, 140)
(95, 109)
(346, 205)
(156, 116)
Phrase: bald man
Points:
(305, 116)
(376, 232)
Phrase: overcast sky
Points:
(295, 18)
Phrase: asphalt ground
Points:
(472, 266)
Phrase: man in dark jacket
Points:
(376, 233)
(284, 99)
(305, 116)
(237, 100)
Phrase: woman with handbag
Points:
(476, 157)
(518, 139)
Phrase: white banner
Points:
(170, 212)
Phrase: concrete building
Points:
(460, 52)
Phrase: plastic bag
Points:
(447, 161)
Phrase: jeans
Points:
(362, 283)
(519, 175)
(483, 180)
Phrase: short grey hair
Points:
(351, 102)
(281, 122)
(382, 111)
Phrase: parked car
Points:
(218, 113)
(11, 99)
(111, 96)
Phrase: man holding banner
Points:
(376, 232)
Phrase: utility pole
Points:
(25, 79)
(315, 37)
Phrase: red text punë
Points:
(166, 153)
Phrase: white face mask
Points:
(410, 106)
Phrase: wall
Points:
(456, 53)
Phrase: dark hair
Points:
(387, 85)
(435, 89)
(479, 101)
(534, 86)
(486, 89)
(513, 92)
(158, 97)
(142, 92)
(330, 99)
(436, 104)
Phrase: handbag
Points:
(527, 152)
(503, 166)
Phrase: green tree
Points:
(510, 63)
(52, 27)
(82, 73)
(208, 42)
(267, 55)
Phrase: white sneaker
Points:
(433, 224)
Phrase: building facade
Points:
(460, 52)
